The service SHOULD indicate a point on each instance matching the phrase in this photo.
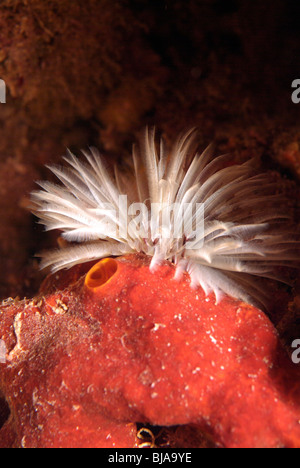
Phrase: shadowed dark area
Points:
(4, 411)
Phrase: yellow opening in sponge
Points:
(101, 273)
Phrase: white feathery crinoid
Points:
(243, 233)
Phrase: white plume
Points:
(245, 232)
